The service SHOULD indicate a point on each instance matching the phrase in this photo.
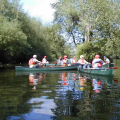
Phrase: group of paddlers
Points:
(34, 62)
(97, 62)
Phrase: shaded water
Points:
(59, 95)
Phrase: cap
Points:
(97, 56)
(81, 56)
(65, 56)
(34, 56)
(60, 57)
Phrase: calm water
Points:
(65, 95)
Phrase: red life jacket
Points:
(83, 61)
(99, 64)
(31, 62)
(73, 61)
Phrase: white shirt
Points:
(73, 61)
(44, 60)
(35, 60)
(59, 61)
(95, 61)
(107, 60)
(82, 61)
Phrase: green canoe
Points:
(50, 64)
(46, 68)
(100, 71)
(51, 72)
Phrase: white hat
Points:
(34, 56)
(81, 56)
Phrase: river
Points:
(59, 95)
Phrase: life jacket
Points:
(44, 60)
(31, 62)
(99, 64)
(73, 61)
(82, 61)
(64, 62)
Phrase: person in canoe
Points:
(83, 63)
(44, 60)
(106, 60)
(65, 60)
(33, 62)
(59, 61)
(97, 62)
(74, 60)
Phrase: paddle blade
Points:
(114, 67)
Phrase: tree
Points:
(95, 20)
(12, 39)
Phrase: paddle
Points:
(112, 63)
(114, 67)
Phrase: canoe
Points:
(50, 64)
(100, 71)
(53, 64)
(45, 68)
(47, 72)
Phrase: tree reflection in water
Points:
(59, 95)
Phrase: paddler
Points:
(33, 62)
(97, 62)
(65, 60)
(83, 63)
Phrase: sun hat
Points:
(81, 56)
(34, 56)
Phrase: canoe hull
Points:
(103, 71)
(49, 68)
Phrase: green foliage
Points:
(12, 39)
(89, 50)
(94, 20)
(22, 36)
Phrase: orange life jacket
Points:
(64, 63)
(31, 62)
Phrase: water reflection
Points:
(36, 78)
(96, 81)
(59, 95)
(97, 85)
